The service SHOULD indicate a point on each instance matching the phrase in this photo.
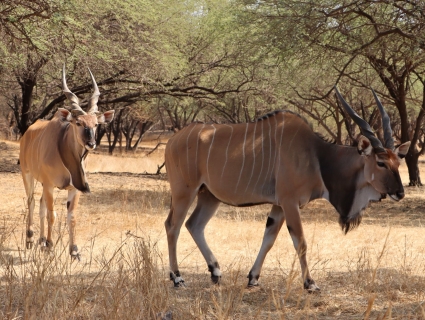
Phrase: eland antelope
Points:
(277, 160)
(54, 153)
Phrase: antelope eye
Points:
(78, 124)
(381, 164)
(95, 125)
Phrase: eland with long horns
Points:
(54, 153)
(279, 160)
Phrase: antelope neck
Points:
(342, 170)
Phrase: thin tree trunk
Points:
(27, 81)
(143, 128)
(412, 158)
(99, 134)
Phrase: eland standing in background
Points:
(279, 160)
(54, 153)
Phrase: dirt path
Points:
(124, 205)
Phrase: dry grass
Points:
(374, 272)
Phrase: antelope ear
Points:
(402, 149)
(106, 117)
(76, 112)
(364, 147)
(63, 114)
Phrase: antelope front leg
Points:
(42, 240)
(30, 221)
(51, 214)
(29, 190)
(274, 223)
(295, 228)
(72, 203)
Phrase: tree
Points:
(133, 122)
(188, 53)
(366, 42)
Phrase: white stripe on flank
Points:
(38, 149)
(180, 166)
(270, 153)
(243, 158)
(196, 155)
(187, 151)
(262, 156)
(253, 154)
(278, 163)
(209, 152)
(275, 147)
(172, 152)
(227, 149)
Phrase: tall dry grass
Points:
(126, 284)
(128, 278)
(375, 272)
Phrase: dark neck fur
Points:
(341, 167)
(71, 153)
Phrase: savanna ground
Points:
(376, 271)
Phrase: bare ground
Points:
(375, 271)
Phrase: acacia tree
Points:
(189, 52)
(134, 122)
(366, 43)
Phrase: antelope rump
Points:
(279, 160)
(54, 153)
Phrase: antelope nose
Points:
(400, 195)
(91, 144)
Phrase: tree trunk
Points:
(113, 142)
(27, 87)
(27, 80)
(143, 128)
(127, 140)
(99, 134)
(412, 158)
(115, 130)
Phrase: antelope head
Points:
(381, 161)
(84, 123)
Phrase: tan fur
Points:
(278, 160)
(54, 153)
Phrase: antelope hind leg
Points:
(274, 223)
(173, 225)
(204, 211)
(293, 222)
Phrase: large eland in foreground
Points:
(279, 160)
(54, 153)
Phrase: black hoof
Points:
(177, 279)
(45, 245)
(42, 241)
(313, 289)
(252, 280)
(49, 244)
(179, 284)
(253, 285)
(311, 286)
(216, 279)
(76, 256)
(73, 250)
